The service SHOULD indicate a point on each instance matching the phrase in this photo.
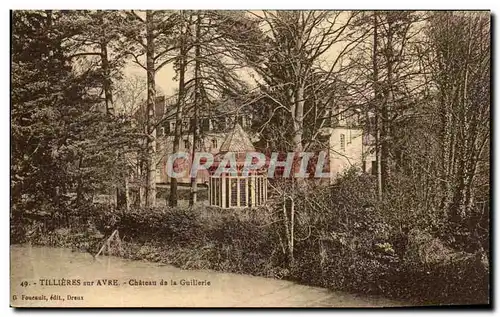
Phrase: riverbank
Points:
(248, 242)
(225, 289)
(232, 242)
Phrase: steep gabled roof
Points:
(237, 140)
(164, 107)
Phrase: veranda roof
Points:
(237, 140)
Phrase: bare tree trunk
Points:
(142, 187)
(150, 116)
(197, 100)
(462, 74)
(462, 201)
(108, 95)
(299, 100)
(299, 119)
(127, 194)
(297, 110)
(121, 188)
(288, 220)
(79, 184)
(180, 107)
(292, 234)
(378, 127)
(446, 137)
(385, 159)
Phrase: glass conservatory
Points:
(237, 189)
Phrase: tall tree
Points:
(150, 35)
(197, 100)
(62, 143)
(207, 73)
(98, 34)
(298, 57)
(39, 73)
(461, 73)
(387, 81)
(180, 65)
(378, 151)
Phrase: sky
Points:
(168, 86)
(164, 77)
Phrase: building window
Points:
(228, 190)
(161, 131)
(214, 143)
(199, 145)
(243, 192)
(186, 144)
(341, 115)
(172, 126)
(342, 142)
(205, 124)
(374, 168)
(234, 192)
(158, 175)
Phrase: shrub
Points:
(347, 240)
(344, 240)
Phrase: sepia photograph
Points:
(250, 158)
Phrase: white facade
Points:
(349, 147)
(345, 149)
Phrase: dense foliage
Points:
(348, 244)
(64, 147)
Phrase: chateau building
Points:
(343, 138)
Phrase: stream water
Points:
(57, 277)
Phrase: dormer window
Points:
(161, 131)
(242, 121)
(205, 124)
(341, 115)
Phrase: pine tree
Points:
(149, 35)
(64, 148)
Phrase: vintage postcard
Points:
(206, 158)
